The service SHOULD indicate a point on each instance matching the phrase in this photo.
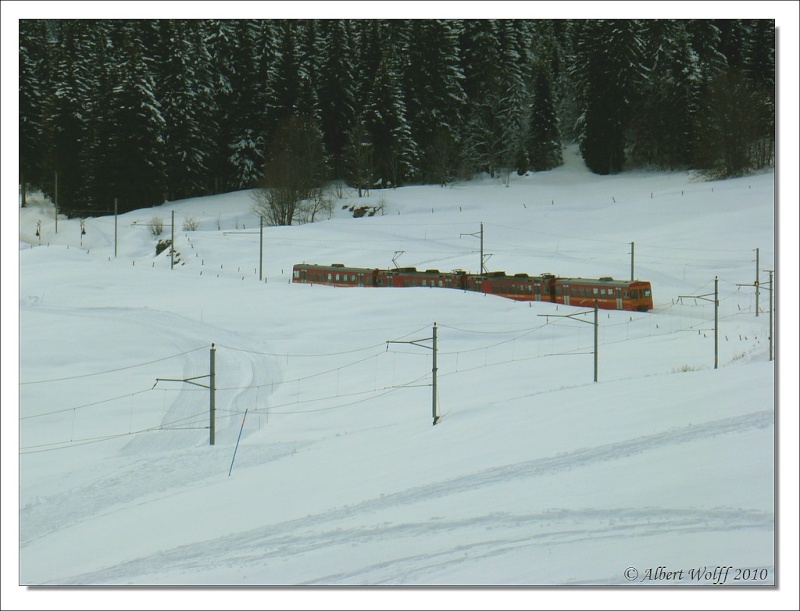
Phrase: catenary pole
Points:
(631, 261)
(435, 406)
(212, 385)
(757, 287)
(261, 249)
(172, 246)
(115, 227)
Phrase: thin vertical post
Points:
(631, 261)
(435, 369)
(483, 268)
(115, 227)
(172, 246)
(595, 340)
(261, 250)
(56, 202)
(757, 257)
(212, 388)
(716, 321)
(771, 289)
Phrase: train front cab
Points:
(608, 293)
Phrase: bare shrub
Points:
(157, 225)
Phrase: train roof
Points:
(335, 266)
(604, 280)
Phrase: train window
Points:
(594, 292)
(647, 292)
(635, 294)
(602, 292)
(330, 276)
(625, 294)
(441, 284)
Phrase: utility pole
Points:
(172, 245)
(261, 249)
(595, 323)
(416, 342)
(115, 227)
(770, 313)
(631, 261)
(212, 387)
(757, 291)
(56, 202)
(716, 316)
(482, 268)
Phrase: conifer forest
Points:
(146, 111)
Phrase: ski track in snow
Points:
(322, 532)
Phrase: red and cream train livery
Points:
(610, 294)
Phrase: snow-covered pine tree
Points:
(220, 42)
(138, 173)
(479, 52)
(184, 92)
(336, 90)
(544, 139)
(609, 70)
(662, 128)
(394, 151)
(65, 125)
(435, 97)
(245, 152)
(34, 49)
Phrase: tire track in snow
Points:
(319, 531)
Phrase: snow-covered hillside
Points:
(326, 469)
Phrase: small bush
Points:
(157, 225)
(162, 246)
(190, 224)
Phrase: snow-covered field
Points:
(326, 469)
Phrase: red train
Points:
(610, 294)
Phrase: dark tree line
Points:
(151, 110)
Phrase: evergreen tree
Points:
(609, 72)
(245, 145)
(34, 47)
(184, 92)
(759, 66)
(65, 118)
(480, 58)
(510, 149)
(393, 150)
(664, 120)
(138, 171)
(99, 153)
(220, 42)
(435, 97)
(337, 92)
(544, 144)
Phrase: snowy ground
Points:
(535, 475)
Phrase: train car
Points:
(334, 275)
(520, 287)
(411, 277)
(610, 294)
